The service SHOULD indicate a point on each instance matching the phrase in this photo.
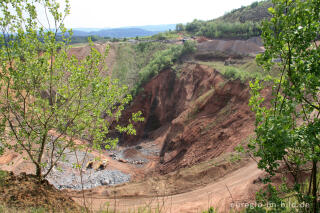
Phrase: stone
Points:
(122, 160)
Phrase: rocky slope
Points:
(199, 115)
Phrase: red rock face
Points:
(204, 114)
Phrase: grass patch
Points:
(3, 175)
(205, 96)
(198, 103)
(246, 69)
(169, 35)
(131, 58)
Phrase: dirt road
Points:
(235, 187)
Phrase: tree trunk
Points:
(314, 187)
(38, 171)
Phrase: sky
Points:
(121, 13)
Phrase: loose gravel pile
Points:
(68, 177)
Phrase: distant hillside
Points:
(123, 32)
(257, 11)
(116, 33)
(158, 28)
(87, 29)
(241, 23)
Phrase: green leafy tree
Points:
(193, 26)
(287, 132)
(48, 98)
(179, 27)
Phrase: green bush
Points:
(162, 60)
(165, 35)
(240, 23)
(180, 27)
(3, 174)
(232, 73)
(222, 29)
(210, 210)
(132, 58)
(254, 5)
(189, 47)
(194, 26)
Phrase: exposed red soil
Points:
(26, 191)
(218, 127)
(201, 39)
(166, 96)
(206, 115)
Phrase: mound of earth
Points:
(224, 49)
(82, 52)
(26, 191)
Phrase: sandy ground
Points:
(236, 186)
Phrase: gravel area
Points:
(68, 177)
(90, 179)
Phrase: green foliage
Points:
(189, 47)
(256, 12)
(115, 40)
(131, 58)
(194, 26)
(83, 39)
(163, 60)
(45, 93)
(180, 27)
(221, 29)
(210, 210)
(254, 5)
(165, 36)
(3, 174)
(287, 133)
(232, 73)
(241, 23)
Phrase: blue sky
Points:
(120, 13)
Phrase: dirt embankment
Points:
(25, 191)
(201, 115)
(83, 51)
(223, 49)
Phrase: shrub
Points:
(232, 73)
(254, 4)
(210, 210)
(189, 47)
(3, 174)
(161, 60)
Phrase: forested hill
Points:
(240, 23)
(256, 12)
